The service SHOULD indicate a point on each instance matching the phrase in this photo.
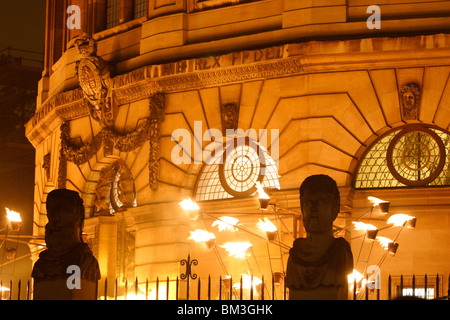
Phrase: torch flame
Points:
(247, 282)
(225, 223)
(13, 215)
(399, 219)
(188, 204)
(237, 249)
(364, 226)
(261, 193)
(376, 201)
(266, 225)
(384, 242)
(201, 235)
(355, 276)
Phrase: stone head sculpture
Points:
(65, 212)
(320, 203)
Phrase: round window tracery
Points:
(241, 168)
(416, 156)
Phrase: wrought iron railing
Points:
(426, 287)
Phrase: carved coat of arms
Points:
(95, 81)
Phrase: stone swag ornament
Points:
(318, 265)
(65, 250)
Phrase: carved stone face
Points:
(319, 212)
(408, 100)
(320, 203)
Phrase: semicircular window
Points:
(413, 156)
(234, 171)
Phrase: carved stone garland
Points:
(110, 139)
(157, 110)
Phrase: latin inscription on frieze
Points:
(200, 64)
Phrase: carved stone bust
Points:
(319, 264)
(63, 237)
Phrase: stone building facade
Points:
(127, 105)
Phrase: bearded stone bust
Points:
(319, 264)
(65, 247)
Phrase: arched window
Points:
(412, 156)
(235, 170)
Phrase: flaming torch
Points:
(237, 249)
(203, 236)
(225, 223)
(400, 220)
(356, 278)
(267, 226)
(388, 245)
(248, 282)
(190, 207)
(370, 229)
(384, 205)
(14, 218)
(264, 198)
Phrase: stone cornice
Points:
(236, 67)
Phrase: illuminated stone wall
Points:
(288, 66)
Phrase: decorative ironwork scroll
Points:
(189, 263)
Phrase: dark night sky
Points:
(22, 24)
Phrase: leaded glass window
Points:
(140, 6)
(112, 13)
(413, 156)
(235, 171)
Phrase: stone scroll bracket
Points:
(157, 112)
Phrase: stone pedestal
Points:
(319, 293)
(57, 289)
